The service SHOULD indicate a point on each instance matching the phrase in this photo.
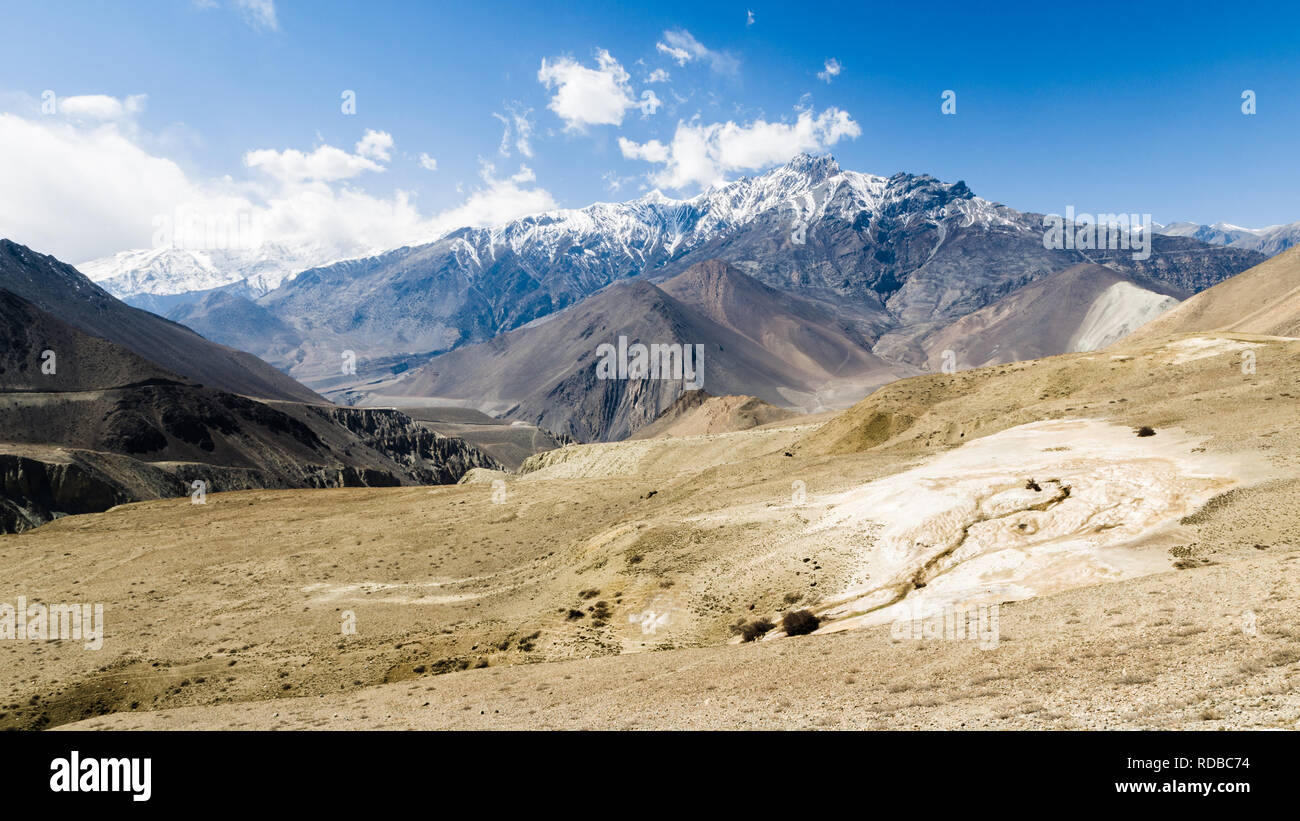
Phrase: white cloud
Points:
(428, 163)
(587, 96)
(681, 55)
(703, 154)
(657, 76)
(260, 14)
(649, 103)
(325, 164)
(83, 190)
(652, 151)
(517, 131)
(749, 18)
(496, 202)
(101, 107)
(377, 145)
(78, 192)
(682, 47)
(832, 70)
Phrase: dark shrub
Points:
(799, 622)
(1146, 430)
(751, 630)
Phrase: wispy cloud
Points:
(101, 107)
(324, 164)
(683, 48)
(517, 130)
(831, 71)
(260, 14)
(377, 145)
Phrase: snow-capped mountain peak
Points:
(170, 271)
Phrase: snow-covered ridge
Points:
(793, 198)
(168, 270)
(1271, 240)
(799, 195)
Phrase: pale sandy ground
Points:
(600, 590)
(1164, 652)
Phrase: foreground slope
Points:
(696, 412)
(609, 601)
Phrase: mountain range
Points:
(805, 287)
(901, 257)
(783, 348)
(160, 279)
(102, 404)
(62, 291)
(1269, 241)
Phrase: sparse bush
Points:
(1146, 430)
(799, 622)
(751, 630)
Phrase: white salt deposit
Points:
(1031, 510)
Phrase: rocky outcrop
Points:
(429, 457)
(34, 491)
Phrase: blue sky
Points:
(1107, 107)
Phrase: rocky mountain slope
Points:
(786, 350)
(908, 253)
(1082, 308)
(62, 291)
(96, 425)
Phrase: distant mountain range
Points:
(820, 284)
(1269, 241)
(160, 279)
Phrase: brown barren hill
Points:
(696, 413)
(1263, 300)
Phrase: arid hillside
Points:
(604, 586)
